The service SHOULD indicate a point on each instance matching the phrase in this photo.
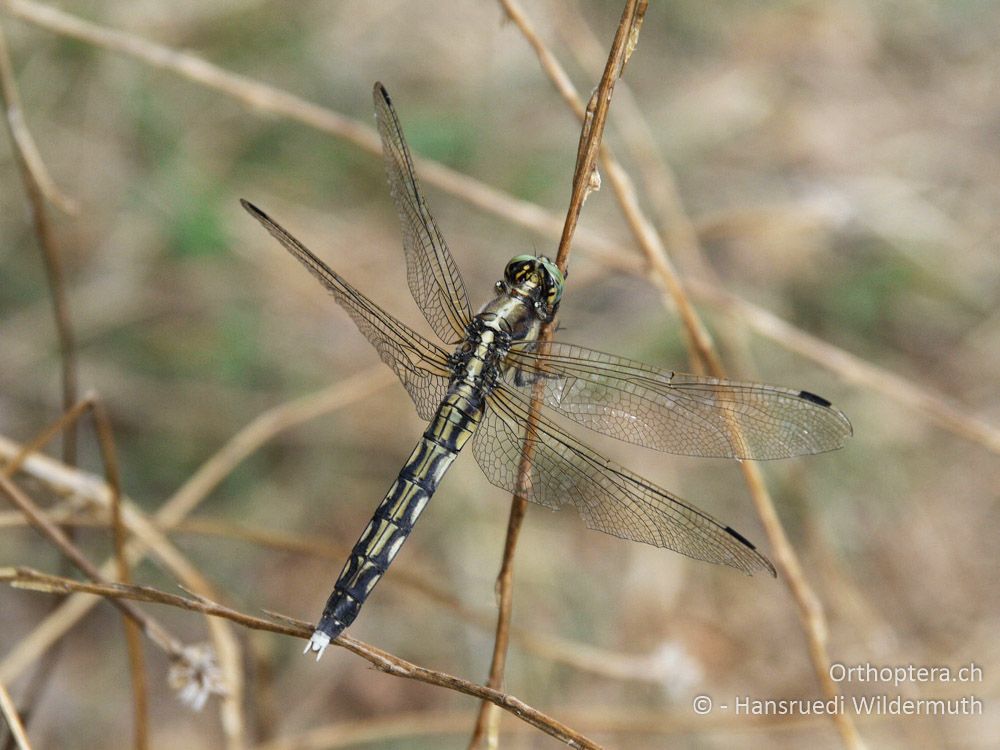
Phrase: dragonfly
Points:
(491, 381)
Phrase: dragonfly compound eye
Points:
(519, 269)
(554, 281)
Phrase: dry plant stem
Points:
(614, 665)
(133, 637)
(659, 181)
(811, 616)
(14, 723)
(929, 403)
(202, 482)
(584, 181)
(263, 428)
(43, 525)
(487, 721)
(112, 473)
(581, 656)
(386, 662)
(700, 341)
(227, 648)
(810, 612)
(109, 459)
(586, 167)
(38, 186)
(24, 144)
(70, 415)
(28, 162)
(263, 98)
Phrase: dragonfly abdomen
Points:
(453, 424)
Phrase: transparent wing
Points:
(675, 412)
(608, 497)
(419, 363)
(434, 280)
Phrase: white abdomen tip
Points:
(317, 643)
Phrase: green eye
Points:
(546, 275)
(558, 281)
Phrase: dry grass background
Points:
(840, 163)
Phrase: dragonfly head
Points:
(536, 278)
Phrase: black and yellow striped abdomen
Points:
(453, 424)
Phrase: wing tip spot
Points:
(813, 398)
(739, 537)
(760, 562)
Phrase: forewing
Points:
(608, 497)
(421, 365)
(676, 412)
(434, 280)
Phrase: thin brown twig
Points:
(250, 438)
(659, 181)
(585, 180)
(698, 336)
(156, 632)
(926, 401)
(133, 638)
(264, 98)
(112, 474)
(44, 436)
(811, 616)
(198, 486)
(28, 162)
(382, 660)
(14, 723)
(24, 144)
(38, 187)
(109, 494)
(487, 720)
(226, 647)
(227, 650)
(675, 226)
(26, 578)
(637, 667)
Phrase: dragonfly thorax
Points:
(478, 360)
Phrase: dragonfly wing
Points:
(676, 412)
(608, 497)
(431, 272)
(421, 365)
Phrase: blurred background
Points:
(840, 164)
